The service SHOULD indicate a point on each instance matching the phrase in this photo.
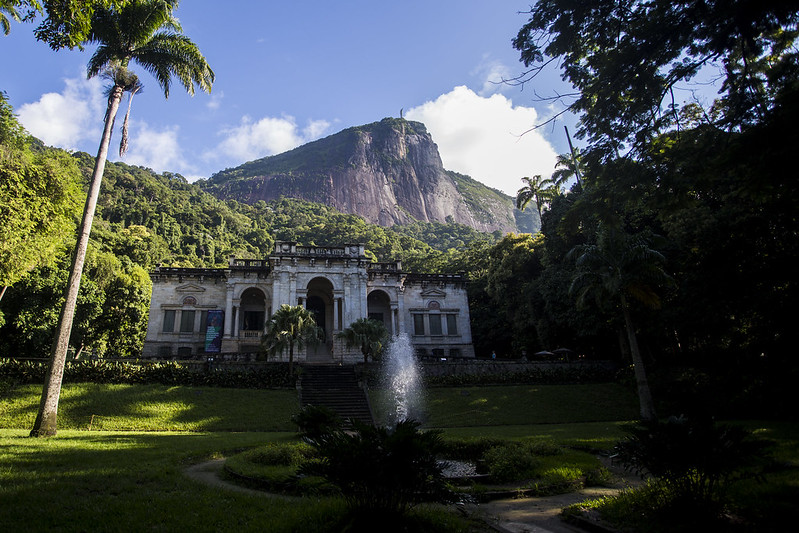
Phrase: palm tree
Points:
(367, 334)
(10, 7)
(616, 268)
(145, 32)
(536, 189)
(290, 327)
(566, 166)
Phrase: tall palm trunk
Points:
(644, 394)
(45, 425)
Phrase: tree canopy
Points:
(626, 58)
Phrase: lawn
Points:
(113, 480)
(520, 405)
(155, 408)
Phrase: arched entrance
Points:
(319, 301)
(378, 306)
(252, 319)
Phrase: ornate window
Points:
(435, 324)
(452, 324)
(169, 321)
(418, 324)
(186, 321)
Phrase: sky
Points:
(291, 72)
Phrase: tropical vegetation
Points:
(290, 328)
(367, 335)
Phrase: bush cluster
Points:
(513, 461)
(693, 459)
(274, 468)
(381, 471)
(275, 375)
(572, 374)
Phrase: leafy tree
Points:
(626, 58)
(39, 190)
(146, 32)
(67, 22)
(290, 327)
(368, 335)
(503, 299)
(619, 267)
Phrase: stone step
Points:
(337, 388)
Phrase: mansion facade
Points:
(199, 312)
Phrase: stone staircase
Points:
(337, 388)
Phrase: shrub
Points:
(694, 460)
(558, 480)
(314, 421)
(275, 468)
(147, 372)
(381, 470)
(468, 449)
(511, 461)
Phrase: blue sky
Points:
(291, 72)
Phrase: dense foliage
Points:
(39, 199)
(381, 472)
(265, 376)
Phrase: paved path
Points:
(535, 515)
(522, 515)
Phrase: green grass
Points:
(155, 408)
(588, 435)
(113, 480)
(132, 481)
(528, 404)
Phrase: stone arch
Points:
(378, 305)
(253, 310)
(319, 300)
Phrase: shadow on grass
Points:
(156, 408)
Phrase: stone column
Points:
(292, 288)
(229, 310)
(394, 316)
(336, 304)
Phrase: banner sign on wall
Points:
(213, 331)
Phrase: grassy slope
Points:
(156, 408)
(133, 481)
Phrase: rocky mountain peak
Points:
(388, 172)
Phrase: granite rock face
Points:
(388, 172)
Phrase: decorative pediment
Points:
(190, 287)
(433, 293)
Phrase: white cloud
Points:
(482, 137)
(68, 118)
(158, 150)
(267, 136)
(493, 72)
(215, 101)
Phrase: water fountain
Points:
(405, 399)
(403, 381)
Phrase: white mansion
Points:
(198, 312)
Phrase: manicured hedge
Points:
(273, 375)
(544, 375)
(567, 374)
